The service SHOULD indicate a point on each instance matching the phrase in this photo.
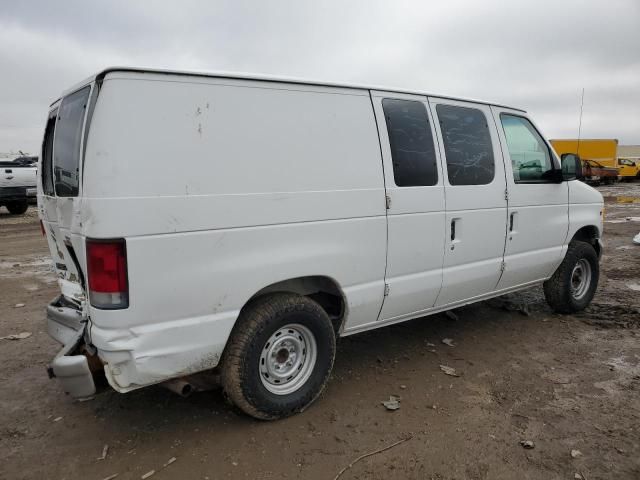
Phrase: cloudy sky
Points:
(536, 55)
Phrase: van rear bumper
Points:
(66, 325)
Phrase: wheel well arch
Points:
(324, 290)
(589, 234)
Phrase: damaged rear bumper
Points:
(134, 357)
(67, 325)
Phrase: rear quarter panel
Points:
(221, 188)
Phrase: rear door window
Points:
(47, 154)
(66, 145)
(412, 149)
(467, 145)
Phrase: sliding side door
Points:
(476, 203)
(415, 203)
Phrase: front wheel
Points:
(279, 356)
(17, 207)
(574, 283)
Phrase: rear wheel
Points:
(279, 356)
(573, 285)
(17, 207)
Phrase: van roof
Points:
(273, 78)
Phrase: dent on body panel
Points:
(166, 364)
(88, 220)
(53, 239)
(200, 116)
(144, 371)
(140, 356)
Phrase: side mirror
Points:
(571, 167)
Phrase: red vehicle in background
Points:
(595, 172)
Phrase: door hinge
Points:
(506, 194)
(386, 289)
(503, 266)
(387, 200)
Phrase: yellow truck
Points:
(629, 168)
(600, 157)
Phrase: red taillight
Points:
(107, 273)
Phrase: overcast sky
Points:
(537, 55)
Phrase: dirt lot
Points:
(566, 383)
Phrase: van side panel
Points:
(221, 188)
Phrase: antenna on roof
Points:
(580, 123)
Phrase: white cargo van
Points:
(242, 224)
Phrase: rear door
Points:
(60, 189)
(415, 203)
(538, 207)
(476, 205)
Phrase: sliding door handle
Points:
(513, 224)
(455, 232)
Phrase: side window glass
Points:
(467, 145)
(412, 149)
(530, 156)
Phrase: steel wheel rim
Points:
(287, 359)
(580, 279)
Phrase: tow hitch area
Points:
(65, 324)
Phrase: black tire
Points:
(17, 207)
(560, 290)
(243, 363)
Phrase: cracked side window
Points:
(467, 145)
(412, 149)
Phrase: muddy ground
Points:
(563, 382)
